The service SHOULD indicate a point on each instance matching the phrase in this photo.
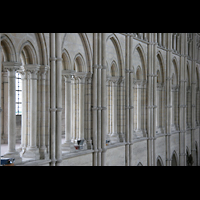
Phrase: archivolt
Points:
(87, 48)
(66, 60)
(118, 49)
(142, 57)
(8, 48)
(175, 67)
(160, 159)
(79, 63)
(161, 62)
(29, 52)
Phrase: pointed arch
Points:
(159, 161)
(139, 74)
(197, 77)
(197, 153)
(87, 49)
(8, 48)
(188, 74)
(174, 159)
(141, 52)
(113, 69)
(66, 60)
(175, 70)
(118, 49)
(29, 51)
(161, 65)
(79, 63)
(44, 52)
(139, 164)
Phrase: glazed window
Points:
(18, 94)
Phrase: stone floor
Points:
(4, 147)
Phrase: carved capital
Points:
(12, 66)
(33, 70)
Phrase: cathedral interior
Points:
(100, 99)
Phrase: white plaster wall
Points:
(139, 152)
(83, 160)
(160, 149)
(115, 156)
(175, 144)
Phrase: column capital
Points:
(43, 69)
(113, 79)
(10, 66)
(33, 69)
(81, 76)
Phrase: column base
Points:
(32, 152)
(67, 146)
(43, 153)
(121, 137)
(114, 138)
(89, 144)
(173, 128)
(137, 134)
(14, 155)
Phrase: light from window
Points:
(18, 94)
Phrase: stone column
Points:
(168, 98)
(99, 99)
(154, 82)
(53, 100)
(58, 99)
(104, 96)
(68, 119)
(193, 87)
(149, 100)
(73, 96)
(81, 76)
(158, 108)
(159, 39)
(33, 151)
(43, 149)
(0, 97)
(12, 153)
(173, 91)
(164, 40)
(88, 107)
(127, 93)
(114, 135)
(94, 98)
(24, 129)
(5, 108)
(182, 103)
(138, 131)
